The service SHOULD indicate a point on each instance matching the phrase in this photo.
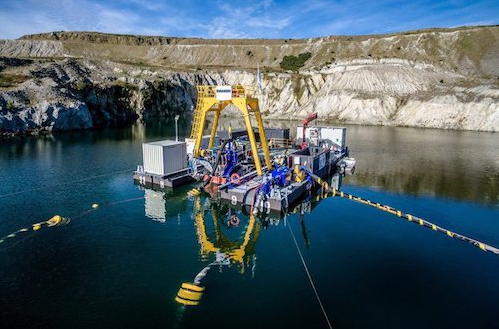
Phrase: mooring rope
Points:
(310, 278)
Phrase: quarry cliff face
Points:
(76, 80)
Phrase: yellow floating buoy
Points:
(54, 220)
(186, 301)
(192, 286)
(95, 205)
(189, 294)
(37, 226)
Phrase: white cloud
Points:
(83, 15)
(220, 28)
(268, 23)
(252, 19)
(244, 19)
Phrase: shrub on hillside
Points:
(10, 105)
(294, 63)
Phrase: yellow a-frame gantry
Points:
(215, 99)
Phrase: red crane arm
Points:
(306, 121)
(309, 119)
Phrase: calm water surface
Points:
(121, 265)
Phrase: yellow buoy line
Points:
(327, 191)
(58, 220)
(54, 221)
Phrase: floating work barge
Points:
(245, 167)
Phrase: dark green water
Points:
(121, 265)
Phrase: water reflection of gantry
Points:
(226, 251)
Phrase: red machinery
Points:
(306, 121)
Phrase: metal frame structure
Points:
(244, 99)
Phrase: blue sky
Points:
(249, 19)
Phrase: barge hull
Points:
(171, 180)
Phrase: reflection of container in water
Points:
(155, 205)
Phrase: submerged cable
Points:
(310, 278)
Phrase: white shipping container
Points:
(335, 135)
(164, 157)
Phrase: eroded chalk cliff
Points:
(75, 80)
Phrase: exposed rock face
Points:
(47, 116)
(69, 94)
(444, 79)
(389, 94)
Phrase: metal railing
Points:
(280, 142)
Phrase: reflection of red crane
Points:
(306, 121)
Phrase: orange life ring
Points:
(234, 220)
(234, 178)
